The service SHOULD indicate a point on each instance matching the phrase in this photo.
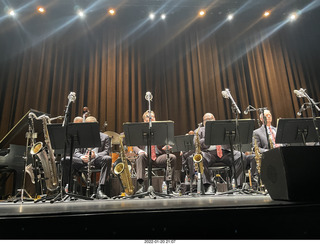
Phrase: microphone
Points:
(299, 93)
(225, 94)
(247, 110)
(148, 96)
(71, 98)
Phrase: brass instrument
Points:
(257, 157)
(121, 169)
(47, 159)
(197, 158)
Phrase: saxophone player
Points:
(158, 157)
(211, 156)
(99, 158)
(262, 139)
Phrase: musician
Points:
(99, 158)
(260, 133)
(212, 155)
(158, 158)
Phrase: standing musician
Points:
(99, 158)
(211, 155)
(158, 157)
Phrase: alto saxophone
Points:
(121, 169)
(47, 159)
(197, 158)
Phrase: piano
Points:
(13, 148)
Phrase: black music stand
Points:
(223, 132)
(299, 131)
(183, 143)
(80, 135)
(139, 133)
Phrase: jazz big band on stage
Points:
(189, 172)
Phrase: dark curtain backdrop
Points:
(110, 63)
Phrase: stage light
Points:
(11, 12)
(163, 16)
(81, 14)
(266, 13)
(151, 16)
(41, 10)
(230, 17)
(111, 11)
(202, 13)
(293, 16)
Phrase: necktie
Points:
(219, 151)
(153, 153)
(272, 136)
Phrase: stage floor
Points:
(235, 216)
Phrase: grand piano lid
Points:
(17, 135)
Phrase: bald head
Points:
(78, 119)
(208, 117)
(91, 119)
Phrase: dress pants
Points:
(101, 162)
(160, 162)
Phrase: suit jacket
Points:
(103, 150)
(260, 135)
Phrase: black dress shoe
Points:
(210, 190)
(101, 195)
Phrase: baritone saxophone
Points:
(46, 158)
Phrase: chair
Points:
(221, 175)
(83, 174)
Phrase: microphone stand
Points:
(314, 106)
(236, 111)
(151, 192)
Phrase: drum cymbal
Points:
(115, 137)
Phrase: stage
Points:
(233, 216)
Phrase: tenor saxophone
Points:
(47, 159)
(121, 169)
(197, 157)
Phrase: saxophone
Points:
(257, 157)
(197, 158)
(47, 159)
(121, 169)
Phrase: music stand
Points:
(80, 135)
(137, 134)
(300, 130)
(183, 143)
(223, 132)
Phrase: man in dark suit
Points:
(212, 155)
(99, 158)
(158, 158)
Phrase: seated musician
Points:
(158, 158)
(259, 138)
(212, 155)
(99, 158)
